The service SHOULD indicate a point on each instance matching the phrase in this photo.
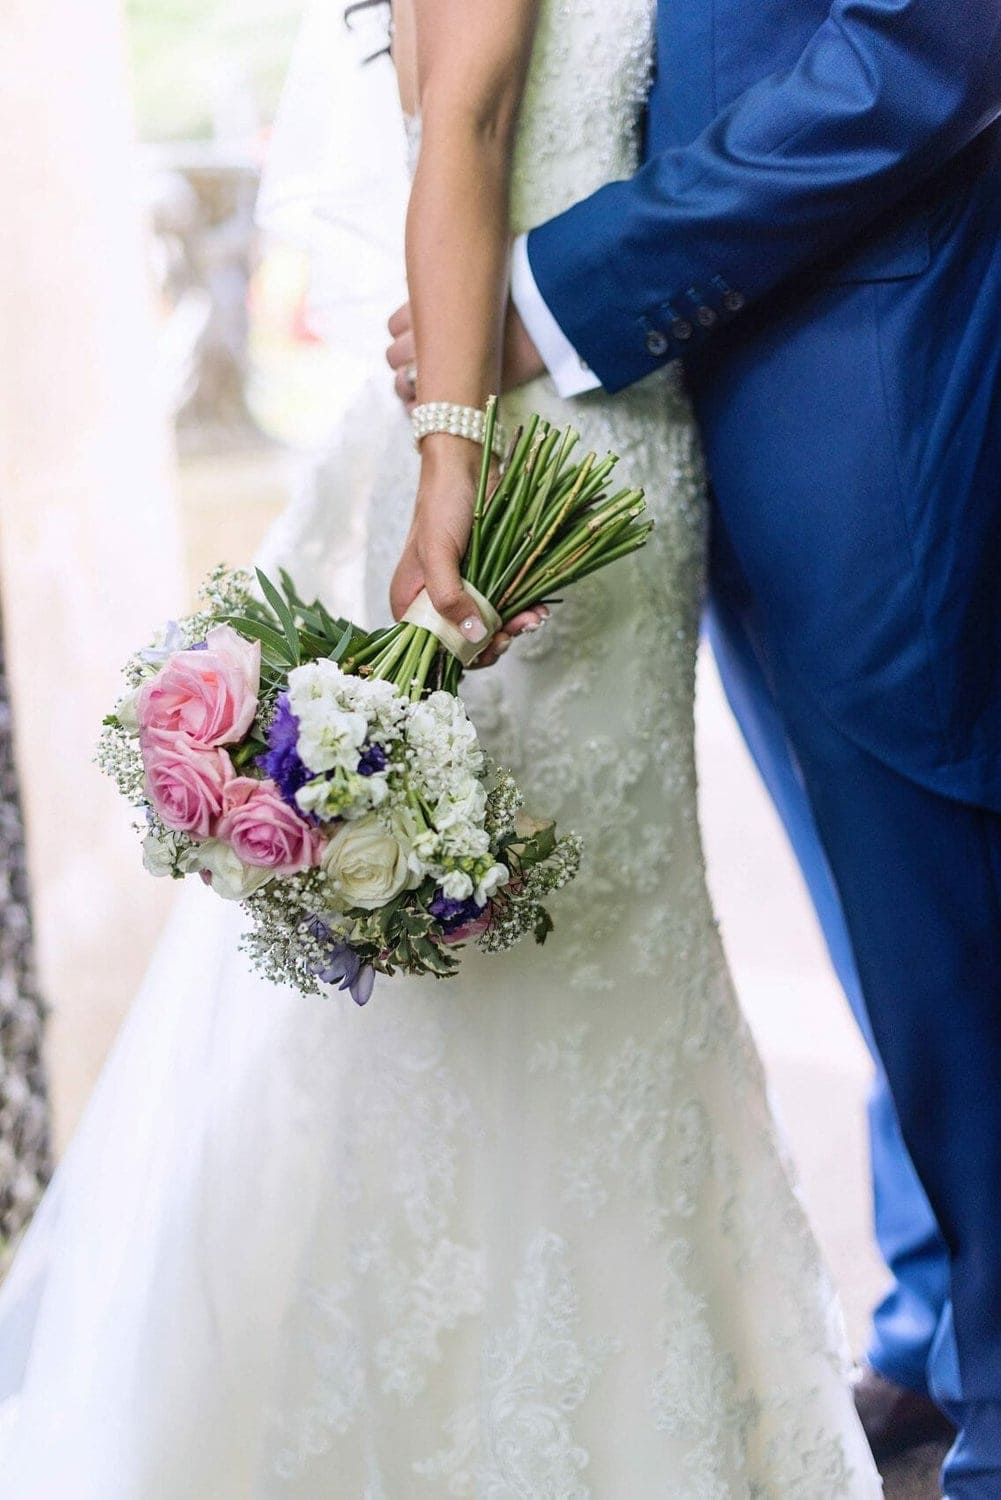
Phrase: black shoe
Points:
(894, 1418)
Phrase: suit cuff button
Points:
(706, 317)
(734, 301)
(657, 343)
(682, 329)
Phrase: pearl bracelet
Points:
(457, 421)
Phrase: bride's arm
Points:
(472, 61)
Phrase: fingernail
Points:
(474, 629)
(532, 626)
(503, 645)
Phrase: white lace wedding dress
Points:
(524, 1236)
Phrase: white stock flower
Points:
(330, 737)
(495, 877)
(466, 803)
(366, 864)
(456, 885)
(346, 794)
(414, 837)
(464, 842)
(315, 681)
(230, 877)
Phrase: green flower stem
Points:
(372, 649)
(546, 522)
(587, 532)
(425, 664)
(396, 646)
(473, 556)
(498, 514)
(554, 525)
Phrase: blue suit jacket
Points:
(817, 231)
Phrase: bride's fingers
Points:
(401, 352)
(400, 322)
(523, 624)
(400, 358)
(529, 620)
(403, 385)
(493, 653)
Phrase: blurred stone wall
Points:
(24, 1122)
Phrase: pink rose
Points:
(210, 695)
(263, 831)
(185, 782)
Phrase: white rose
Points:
(366, 864)
(126, 711)
(230, 877)
(457, 886)
(159, 854)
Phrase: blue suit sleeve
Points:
(884, 94)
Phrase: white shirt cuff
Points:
(571, 375)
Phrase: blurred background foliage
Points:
(206, 67)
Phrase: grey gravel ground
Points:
(915, 1477)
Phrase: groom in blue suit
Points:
(816, 231)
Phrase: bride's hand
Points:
(439, 535)
(522, 361)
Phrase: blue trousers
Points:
(907, 886)
(905, 1323)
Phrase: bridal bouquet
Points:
(330, 779)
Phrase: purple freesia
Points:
(342, 966)
(450, 914)
(281, 761)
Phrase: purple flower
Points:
(281, 761)
(450, 914)
(173, 641)
(373, 759)
(342, 966)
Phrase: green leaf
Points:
(247, 753)
(266, 634)
(544, 926)
(281, 609)
(111, 721)
(346, 637)
(313, 646)
(289, 589)
(544, 842)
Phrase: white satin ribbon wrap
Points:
(422, 612)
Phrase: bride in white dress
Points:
(524, 1234)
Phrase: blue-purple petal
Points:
(361, 989)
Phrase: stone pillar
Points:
(24, 1124)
